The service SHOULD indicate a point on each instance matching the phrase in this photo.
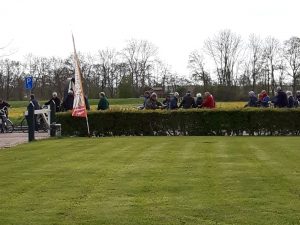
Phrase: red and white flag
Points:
(79, 108)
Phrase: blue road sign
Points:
(28, 82)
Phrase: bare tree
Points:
(139, 55)
(271, 54)
(196, 65)
(255, 51)
(291, 52)
(109, 61)
(224, 48)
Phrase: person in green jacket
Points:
(103, 102)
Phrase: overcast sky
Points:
(176, 27)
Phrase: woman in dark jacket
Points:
(291, 101)
(252, 100)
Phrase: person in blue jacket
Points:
(265, 99)
(174, 101)
(291, 101)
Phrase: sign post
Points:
(29, 82)
(28, 85)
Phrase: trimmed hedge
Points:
(185, 122)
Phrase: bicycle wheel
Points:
(9, 126)
(24, 125)
(42, 126)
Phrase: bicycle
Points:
(6, 125)
(41, 124)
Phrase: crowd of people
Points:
(280, 100)
(172, 101)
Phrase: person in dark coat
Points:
(297, 99)
(199, 100)
(281, 99)
(291, 101)
(36, 106)
(188, 101)
(4, 104)
(152, 102)
(167, 102)
(68, 103)
(252, 100)
(34, 102)
(56, 101)
(103, 102)
(174, 101)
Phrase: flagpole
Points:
(87, 125)
(81, 105)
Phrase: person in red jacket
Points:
(209, 101)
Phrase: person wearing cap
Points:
(103, 102)
(209, 101)
(281, 99)
(56, 100)
(188, 101)
(174, 101)
(252, 100)
(199, 100)
(152, 102)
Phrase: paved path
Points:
(8, 140)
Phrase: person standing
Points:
(56, 100)
(34, 102)
(68, 102)
(103, 102)
(4, 105)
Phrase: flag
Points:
(79, 108)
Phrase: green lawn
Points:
(152, 180)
